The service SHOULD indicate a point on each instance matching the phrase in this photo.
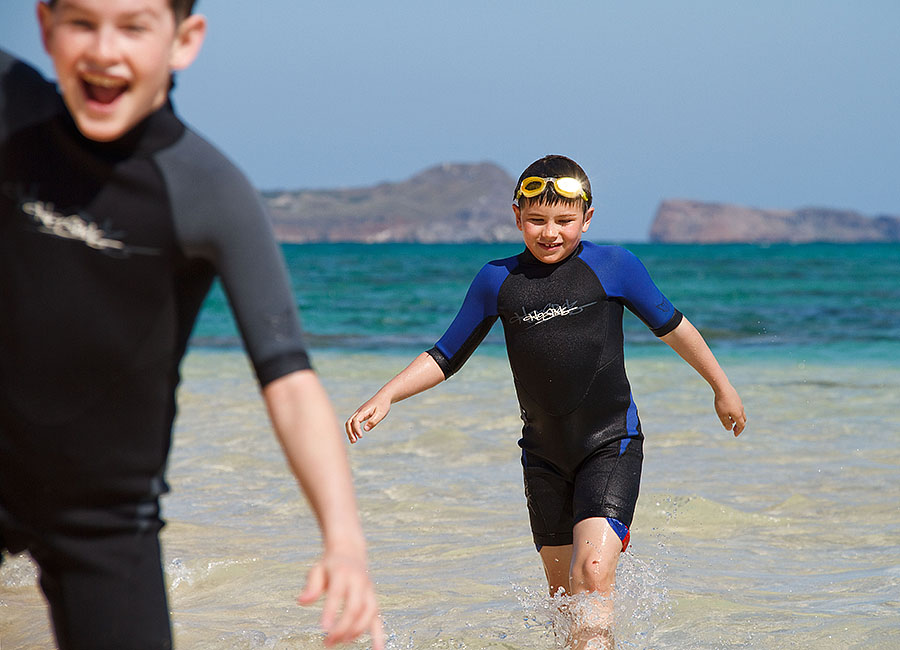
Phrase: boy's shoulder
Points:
(492, 275)
(199, 160)
(503, 263)
(15, 70)
(609, 250)
(26, 97)
(500, 268)
(209, 195)
(606, 256)
(197, 171)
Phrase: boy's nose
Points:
(104, 47)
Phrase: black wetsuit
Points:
(563, 329)
(106, 253)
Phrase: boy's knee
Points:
(593, 574)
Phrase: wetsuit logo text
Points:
(70, 226)
(549, 312)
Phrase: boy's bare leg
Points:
(557, 565)
(596, 551)
(557, 562)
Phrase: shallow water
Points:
(787, 537)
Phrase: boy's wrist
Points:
(346, 544)
(721, 386)
(386, 393)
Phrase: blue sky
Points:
(771, 103)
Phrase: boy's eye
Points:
(81, 23)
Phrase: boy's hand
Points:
(366, 417)
(730, 410)
(345, 582)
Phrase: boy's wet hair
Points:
(181, 8)
(554, 166)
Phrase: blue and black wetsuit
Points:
(106, 253)
(581, 438)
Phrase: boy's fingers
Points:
(350, 606)
(353, 425)
(734, 424)
(377, 634)
(358, 618)
(740, 424)
(315, 584)
(333, 597)
(367, 618)
(350, 624)
(374, 418)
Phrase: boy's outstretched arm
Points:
(690, 346)
(307, 428)
(423, 373)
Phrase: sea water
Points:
(787, 537)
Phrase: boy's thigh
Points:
(105, 591)
(607, 484)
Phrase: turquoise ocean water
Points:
(834, 302)
(788, 537)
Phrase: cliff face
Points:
(683, 221)
(446, 203)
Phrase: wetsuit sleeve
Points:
(474, 320)
(625, 278)
(219, 217)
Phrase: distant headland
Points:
(446, 203)
(463, 202)
(684, 221)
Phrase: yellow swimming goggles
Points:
(566, 186)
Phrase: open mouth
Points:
(103, 90)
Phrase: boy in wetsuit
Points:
(561, 304)
(114, 219)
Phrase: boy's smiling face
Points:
(552, 232)
(114, 58)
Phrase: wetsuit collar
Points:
(157, 131)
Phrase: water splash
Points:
(179, 572)
(18, 571)
(640, 603)
(641, 599)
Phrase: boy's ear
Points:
(189, 37)
(45, 18)
(518, 212)
(587, 219)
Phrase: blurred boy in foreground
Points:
(114, 219)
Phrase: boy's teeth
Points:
(103, 82)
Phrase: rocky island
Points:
(685, 221)
(445, 203)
